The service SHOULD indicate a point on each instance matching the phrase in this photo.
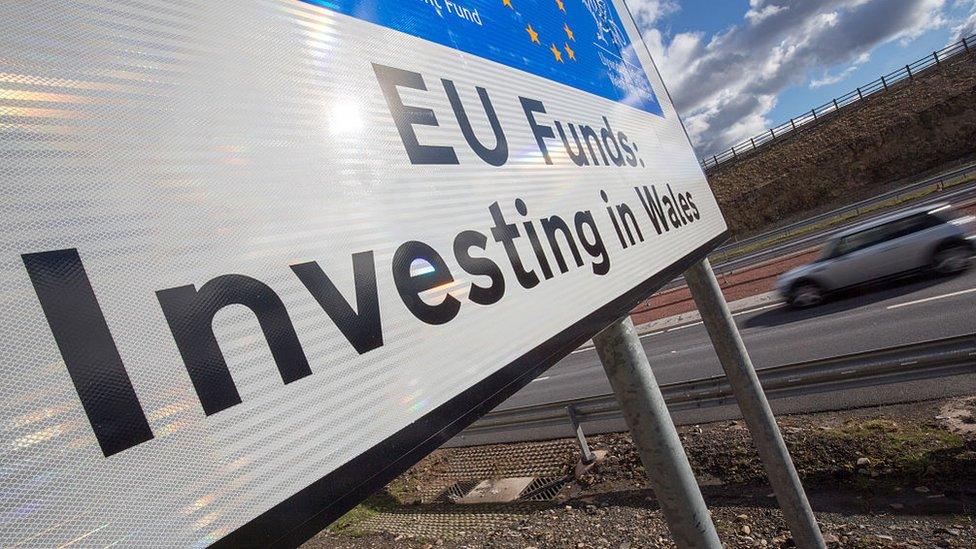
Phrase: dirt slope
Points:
(916, 126)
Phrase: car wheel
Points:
(806, 294)
(952, 259)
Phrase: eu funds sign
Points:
(259, 257)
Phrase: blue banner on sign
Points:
(580, 43)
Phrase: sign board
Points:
(259, 257)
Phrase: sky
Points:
(736, 67)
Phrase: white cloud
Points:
(967, 27)
(830, 79)
(755, 16)
(726, 84)
(647, 12)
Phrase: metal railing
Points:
(909, 72)
(937, 181)
(940, 357)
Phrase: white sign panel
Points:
(259, 257)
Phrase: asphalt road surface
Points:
(909, 311)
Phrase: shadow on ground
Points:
(847, 301)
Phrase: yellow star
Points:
(562, 7)
(556, 53)
(569, 32)
(508, 3)
(533, 35)
(572, 54)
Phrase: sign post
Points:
(655, 436)
(260, 257)
(753, 404)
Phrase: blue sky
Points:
(736, 67)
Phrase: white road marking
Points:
(682, 327)
(909, 363)
(540, 379)
(933, 298)
(763, 308)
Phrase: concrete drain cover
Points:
(504, 490)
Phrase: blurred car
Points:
(932, 238)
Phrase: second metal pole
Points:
(753, 404)
(655, 436)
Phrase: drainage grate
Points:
(539, 489)
(457, 491)
(543, 488)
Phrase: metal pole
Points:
(753, 404)
(655, 436)
(586, 456)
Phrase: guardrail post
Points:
(935, 54)
(965, 44)
(836, 107)
(792, 123)
(814, 112)
(586, 455)
(909, 69)
(753, 404)
(884, 82)
(655, 436)
(860, 95)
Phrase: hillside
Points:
(862, 150)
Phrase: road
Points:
(909, 311)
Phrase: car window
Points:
(911, 225)
(829, 250)
(860, 240)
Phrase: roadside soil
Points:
(893, 476)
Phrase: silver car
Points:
(919, 239)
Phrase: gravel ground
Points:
(896, 476)
(622, 522)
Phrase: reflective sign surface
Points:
(259, 257)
